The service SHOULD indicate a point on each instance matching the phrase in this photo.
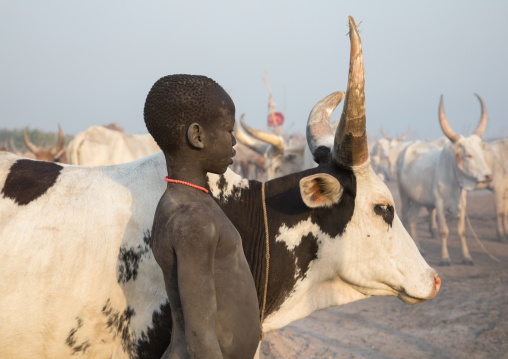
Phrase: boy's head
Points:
(176, 101)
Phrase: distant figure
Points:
(214, 306)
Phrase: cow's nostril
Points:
(488, 178)
(437, 282)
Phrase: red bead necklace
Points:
(185, 183)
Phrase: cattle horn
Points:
(275, 140)
(33, 148)
(249, 141)
(447, 130)
(403, 137)
(60, 146)
(480, 129)
(14, 149)
(350, 145)
(385, 135)
(319, 130)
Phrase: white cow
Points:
(385, 152)
(496, 158)
(101, 146)
(79, 278)
(433, 177)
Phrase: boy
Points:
(211, 291)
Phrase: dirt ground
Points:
(467, 319)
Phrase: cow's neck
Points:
(241, 201)
(448, 179)
(294, 241)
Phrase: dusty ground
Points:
(467, 319)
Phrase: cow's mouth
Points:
(406, 298)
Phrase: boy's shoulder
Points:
(180, 204)
(186, 216)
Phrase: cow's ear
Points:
(458, 152)
(320, 190)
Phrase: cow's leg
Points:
(461, 229)
(501, 203)
(432, 222)
(443, 232)
(412, 211)
(405, 203)
(505, 216)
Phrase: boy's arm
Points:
(195, 252)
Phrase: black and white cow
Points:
(79, 279)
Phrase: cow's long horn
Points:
(385, 135)
(60, 145)
(29, 144)
(319, 131)
(275, 140)
(447, 130)
(350, 146)
(480, 129)
(249, 141)
(13, 147)
(403, 137)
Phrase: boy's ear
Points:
(320, 190)
(195, 135)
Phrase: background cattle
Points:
(101, 146)
(384, 153)
(249, 160)
(496, 155)
(79, 278)
(54, 154)
(280, 159)
(431, 177)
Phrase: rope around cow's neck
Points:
(267, 256)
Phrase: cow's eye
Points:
(386, 211)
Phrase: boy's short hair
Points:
(175, 102)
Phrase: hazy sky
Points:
(93, 62)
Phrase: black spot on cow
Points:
(222, 185)
(291, 266)
(129, 259)
(387, 212)
(118, 324)
(147, 238)
(305, 253)
(28, 180)
(72, 339)
(156, 340)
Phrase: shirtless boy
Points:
(211, 291)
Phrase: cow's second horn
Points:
(253, 143)
(319, 130)
(58, 150)
(404, 136)
(350, 146)
(385, 135)
(33, 148)
(271, 138)
(480, 129)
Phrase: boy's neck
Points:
(192, 175)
